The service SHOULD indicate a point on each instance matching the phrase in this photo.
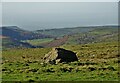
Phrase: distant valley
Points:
(15, 37)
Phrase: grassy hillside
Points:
(64, 31)
(97, 35)
(58, 37)
(17, 33)
(80, 36)
(70, 31)
(97, 61)
(8, 43)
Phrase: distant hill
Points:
(16, 33)
(70, 31)
(101, 34)
(57, 37)
(11, 37)
(98, 34)
(64, 31)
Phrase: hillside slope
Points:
(68, 36)
(64, 31)
(16, 33)
(97, 35)
(8, 43)
(70, 31)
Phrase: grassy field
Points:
(37, 42)
(97, 62)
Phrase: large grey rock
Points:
(58, 55)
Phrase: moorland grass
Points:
(97, 62)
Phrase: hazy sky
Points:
(40, 15)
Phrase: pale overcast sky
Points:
(40, 15)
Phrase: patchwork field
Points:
(97, 62)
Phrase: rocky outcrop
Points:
(58, 55)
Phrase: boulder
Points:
(59, 55)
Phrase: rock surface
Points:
(58, 55)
